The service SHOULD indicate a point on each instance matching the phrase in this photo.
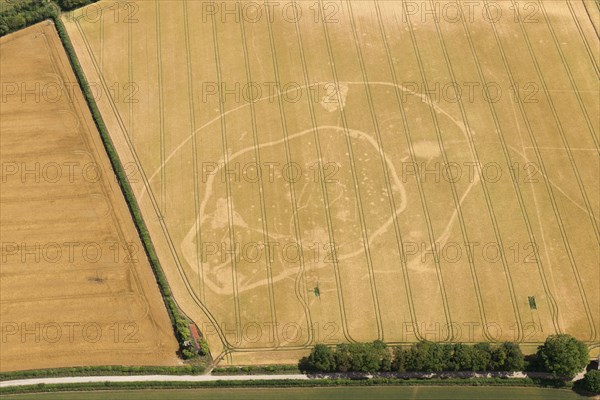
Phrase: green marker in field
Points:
(532, 304)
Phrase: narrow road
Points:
(212, 378)
(148, 378)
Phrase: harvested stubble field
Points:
(330, 171)
(75, 285)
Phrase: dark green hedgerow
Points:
(17, 14)
(179, 321)
(524, 382)
(103, 370)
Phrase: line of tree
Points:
(18, 14)
(179, 321)
(562, 355)
(423, 356)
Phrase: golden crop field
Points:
(76, 288)
(331, 171)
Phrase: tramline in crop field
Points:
(327, 171)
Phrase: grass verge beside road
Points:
(323, 393)
(524, 382)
